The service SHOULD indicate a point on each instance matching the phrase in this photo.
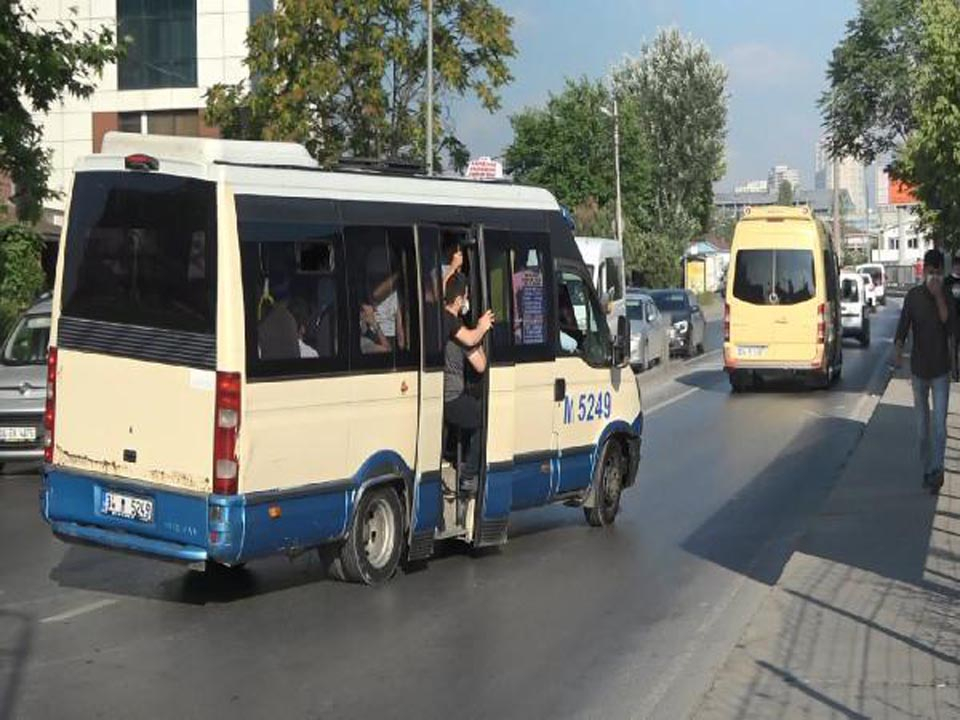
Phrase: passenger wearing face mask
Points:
(463, 345)
(932, 318)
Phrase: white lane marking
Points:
(671, 401)
(82, 610)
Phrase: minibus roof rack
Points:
(390, 166)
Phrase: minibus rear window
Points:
(774, 277)
(141, 250)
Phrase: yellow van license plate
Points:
(751, 351)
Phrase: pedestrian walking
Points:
(931, 318)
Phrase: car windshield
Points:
(634, 308)
(668, 301)
(849, 291)
(27, 344)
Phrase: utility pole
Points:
(837, 239)
(429, 87)
(616, 164)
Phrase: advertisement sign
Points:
(484, 168)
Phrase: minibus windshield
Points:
(774, 277)
(141, 250)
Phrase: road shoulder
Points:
(863, 621)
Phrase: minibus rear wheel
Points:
(371, 552)
(607, 486)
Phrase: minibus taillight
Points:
(821, 324)
(50, 411)
(226, 429)
(726, 322)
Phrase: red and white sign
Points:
(484, 168)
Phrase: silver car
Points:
(23, 385)
(648, 331)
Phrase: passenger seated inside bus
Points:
(461, 410)
(571, 337)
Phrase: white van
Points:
(247, 359)
(877, 273)
(604, 260)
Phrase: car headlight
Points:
(681, 326)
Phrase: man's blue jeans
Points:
(931, 432)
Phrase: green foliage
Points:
(853, 257)
(39, 66)
(672, 117)
(21, 273)
(930, 159)
(785, 193)
(568, 147)
(868, 109)
(723, 227)
(679, 95)
(349, 76)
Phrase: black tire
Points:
(740, 381)
(608, 485)
(865, 336)
(372, 550)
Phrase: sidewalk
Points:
(865, 620)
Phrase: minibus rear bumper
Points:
(185, 527)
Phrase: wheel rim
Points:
(612, 480)
(379, 533)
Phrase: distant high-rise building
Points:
(778, 174)
(751, 186)
(852, 178)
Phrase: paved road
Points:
(565, 621)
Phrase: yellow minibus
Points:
(782, 314)
(247, 359)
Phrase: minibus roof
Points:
(287, 169)
(778, 212)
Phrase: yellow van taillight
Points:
(726, 322)
(226, 429)
(50, 410)
(821, 324)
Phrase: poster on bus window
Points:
(528, 298)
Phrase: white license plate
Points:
(127, 506)
(751, 351)
(18, 434)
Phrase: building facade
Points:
(779, 173)
(177, 50)
(853, 178)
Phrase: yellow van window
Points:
(774, 277)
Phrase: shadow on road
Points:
(774, 508)
(16, 641)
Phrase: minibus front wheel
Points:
(371, 552)
(607, 485)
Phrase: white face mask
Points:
(465, 308)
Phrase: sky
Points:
(775, 52)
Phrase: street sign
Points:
(484, 168)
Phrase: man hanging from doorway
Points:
(460, 409)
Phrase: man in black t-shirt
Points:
(463, 345)
(930, 317)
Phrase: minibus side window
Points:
(582, 332)
(499, 283)
(295, 297)
(611, 283)
(382, 297)
(432, 296)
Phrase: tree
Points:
(868, 110)
(39, 66)
(567, 147)
(349, 76)
(21, 273)
(785, 193)
(929, 159)
(679, 94)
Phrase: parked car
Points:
(684, 317)
(855, 314)
(648, 331)
(869, 290)
(23, 385)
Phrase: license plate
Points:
(18, 434)
(751, 351)
(127, 506)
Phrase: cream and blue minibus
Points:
(247, 360)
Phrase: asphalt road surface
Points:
(564, 621)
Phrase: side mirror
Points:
(621, 343)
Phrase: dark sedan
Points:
(685, 319)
